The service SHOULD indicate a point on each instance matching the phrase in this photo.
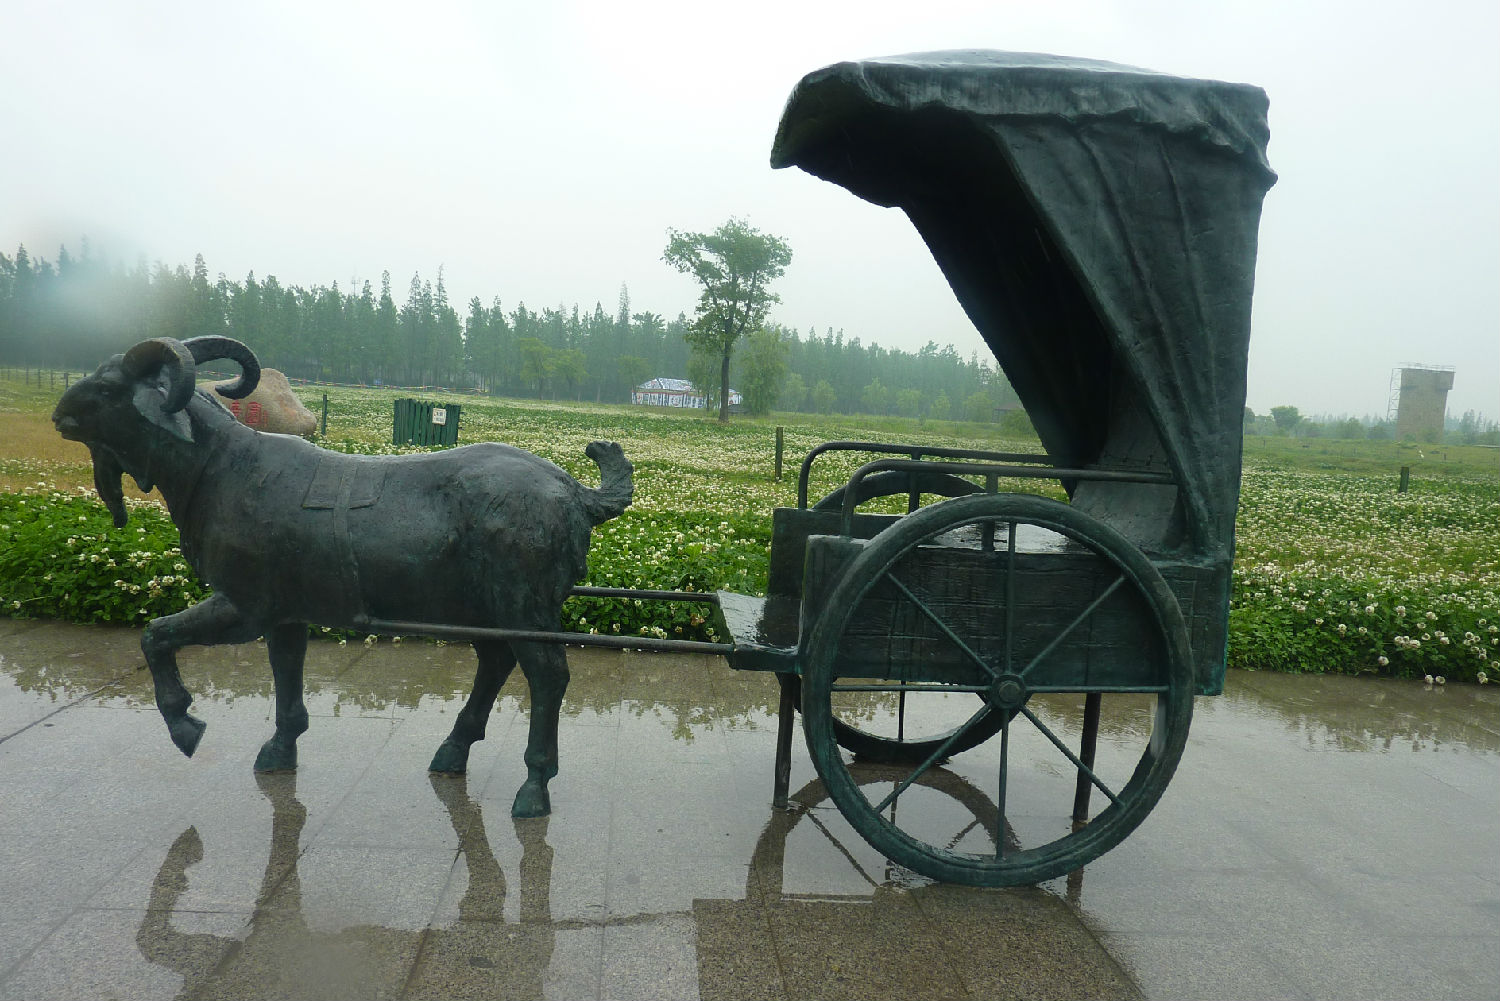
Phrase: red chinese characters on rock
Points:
(252, 413)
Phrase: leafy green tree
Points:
(570, 367)
(537, 362)
(793, 393)
(703, 373)
(1470, 427)
(1017, 423)
(940, 407)
(875, 397)
(908, 402)
(824, 397)
(416, 323)
(979, 408)
(735, 265)
(1351, 428)
(447, 336)
(246, 315)
(764, 369)
(632, 370)
(1287, 418)
(385, 343)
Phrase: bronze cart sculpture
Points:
(1098, 223)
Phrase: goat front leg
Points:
(287, 646)
(546, 669)
(496, 661)
(208, 623)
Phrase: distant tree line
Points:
(76, 311)
(1472, 428)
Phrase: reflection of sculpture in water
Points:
(281, 955)
(846, 921)
(970, 814)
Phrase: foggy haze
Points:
(540, 152)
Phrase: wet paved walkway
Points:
(1323, 838)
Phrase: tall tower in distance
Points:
(1421, 401)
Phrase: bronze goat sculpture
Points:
(288, 534)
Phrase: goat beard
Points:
(108, 474)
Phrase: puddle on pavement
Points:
(272, 884)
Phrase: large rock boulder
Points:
(272, 407)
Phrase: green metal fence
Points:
(419, 422)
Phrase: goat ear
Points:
(151, 400)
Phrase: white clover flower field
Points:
(1335, 570)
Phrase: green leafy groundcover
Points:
(61, 557)
(1334, 573)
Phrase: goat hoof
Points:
(451, 759)
(186, 731)
(276, 756)
(531, 801)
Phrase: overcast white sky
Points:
(540, 151)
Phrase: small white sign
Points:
(439, 415)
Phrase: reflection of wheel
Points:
(878, 728)
(954, 810)
(1038, 609)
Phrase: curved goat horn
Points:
(151, 356)
(212, 347)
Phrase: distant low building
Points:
(674, 393)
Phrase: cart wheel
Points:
(1037, 663)
(889, 736)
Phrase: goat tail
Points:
(616, 483)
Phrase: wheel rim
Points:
(1029, 672)
(865, 729)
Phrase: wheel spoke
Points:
(932, 759)
(1082, 768)
(1056, 640)
(946, 629)
(953, 842)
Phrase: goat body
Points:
(287, 534)
(482, 535)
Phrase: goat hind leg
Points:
(546, 668)
(210, 622)
(496, 661)
(287, 646)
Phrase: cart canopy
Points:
(1098, 223)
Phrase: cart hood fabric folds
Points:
(1098, 223)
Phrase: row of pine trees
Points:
(75, 311)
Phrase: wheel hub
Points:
(1008, 692)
